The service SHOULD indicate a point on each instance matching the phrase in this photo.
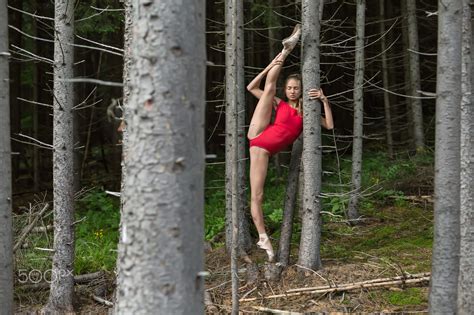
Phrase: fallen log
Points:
(345, 287)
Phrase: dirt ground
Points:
(387, 245)
(218, 285)
(333, 272)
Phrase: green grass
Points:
(407, 297)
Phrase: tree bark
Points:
(161, 246)
(62, 285)
(352, 211)
(6, 241)
(290, 203)
(309, 251)
(273, 49)
(15, 38)
(385, 70)
(234, 97)
(416, 107)
(235, 102)
(445, 259)
(126, 115)
(466, 255)
(406, 78)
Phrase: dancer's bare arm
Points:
(327, 122)
(254, 86)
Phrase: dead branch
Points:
(40, 229)
(375, 283)
(275, 311)
(210, 307)
(101, 300)
(30, 227)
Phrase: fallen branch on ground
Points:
(101, 300)
(30, 227)
(274, 311)
(375, 283)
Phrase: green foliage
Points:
(276, 216)
(98, 25)
(98, 234)
(409, 296)
(336, 205)
(214, 214)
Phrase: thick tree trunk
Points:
(6, 246)
(309, 251)
(352, 211)
(62, 285)
(445, 261)
(290, 203)
(235, 102)
(416, 107)
(466, 255)
(385, 70)
(161, 246)
(126, 115)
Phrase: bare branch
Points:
(93, 81)
(32, 14)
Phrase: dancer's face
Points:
(293, 89)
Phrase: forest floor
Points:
(393, 241)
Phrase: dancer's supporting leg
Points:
(258, 172)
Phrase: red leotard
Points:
(285, 129)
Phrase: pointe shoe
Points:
(266, 244)
(290, 42)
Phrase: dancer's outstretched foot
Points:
(266, 244)
(290, 42)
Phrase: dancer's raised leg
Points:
(263, 111)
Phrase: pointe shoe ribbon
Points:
(290, 42)
(266, 244)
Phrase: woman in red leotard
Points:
(267, 139)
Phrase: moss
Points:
(410, 296)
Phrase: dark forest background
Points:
(98, 153)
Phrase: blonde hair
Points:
(296, 76)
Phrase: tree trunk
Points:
(445, 261)
(273, 49)
(62, 284)
(385, 69)
(290, 203)
(416, 107)
(6, 245)
(15, 38)
(352, 211)
(466, 255)
(235, 102)
(161, 246)
(126, 115)
(309, 252)
(406, 78)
